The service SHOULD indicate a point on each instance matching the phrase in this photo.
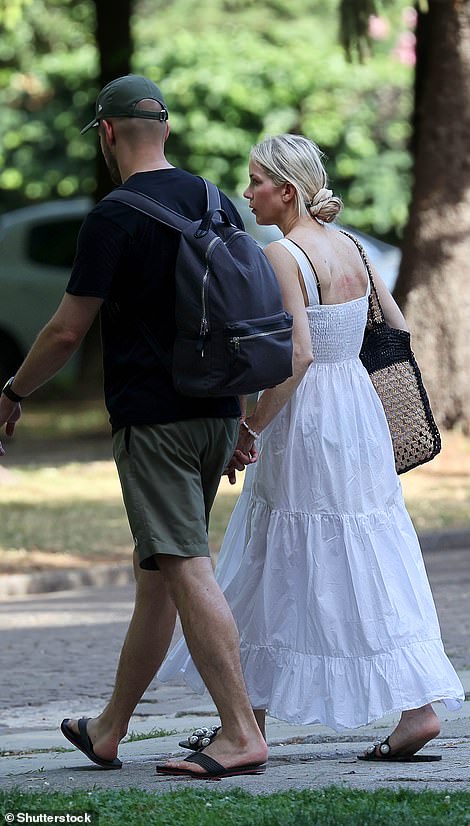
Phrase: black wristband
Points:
(10, 393)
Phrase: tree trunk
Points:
(432, 286)
(114, 44)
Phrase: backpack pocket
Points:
(261, 348)
(242, 357)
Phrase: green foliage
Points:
(354, 25)
(232, 71)
(10, 12)
(48, 59)
(277, 67)
(234, 807)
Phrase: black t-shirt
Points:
(128, 259)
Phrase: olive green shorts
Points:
(169, 477)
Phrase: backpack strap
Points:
(155, 209)
(212, 195)
(149, 206)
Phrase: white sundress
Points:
(320, 564)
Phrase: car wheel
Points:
(10, 358)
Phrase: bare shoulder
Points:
(277, 253)
(272, 248)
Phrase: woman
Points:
(321, 565)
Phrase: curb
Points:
(42, 582)
(445, 541)
(99, 576)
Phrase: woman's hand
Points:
(245, 454)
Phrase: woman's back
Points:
(336, 329)
(337, 262)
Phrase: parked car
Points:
(37, 248)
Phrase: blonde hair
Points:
(297, 160)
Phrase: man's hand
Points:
(10, 413)
(239, 461)
(231, 475)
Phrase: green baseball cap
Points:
(119, 98)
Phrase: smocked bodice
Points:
(337, 330)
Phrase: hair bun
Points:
(323, 194)
(324, 205)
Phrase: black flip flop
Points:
(82, 742)
(214, 770)
(387, 756)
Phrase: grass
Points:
(64, 515)
(329, 807)
(61, 503)
(62, 420)
(133, 736)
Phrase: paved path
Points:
(58, 646)
(59, 656)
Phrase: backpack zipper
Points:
(235, 340)
(204, 326)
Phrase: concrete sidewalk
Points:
(301, 757)
(59, 657)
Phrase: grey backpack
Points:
(233, 334)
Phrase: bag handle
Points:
(375, 315)
(206, 222)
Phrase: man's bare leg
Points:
(212, 639)
(145, 646)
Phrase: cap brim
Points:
(90, 125)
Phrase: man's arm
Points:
(54, 346)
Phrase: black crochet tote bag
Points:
(388, 358)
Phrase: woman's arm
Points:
(393, 314)
(273, 399)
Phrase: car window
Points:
(53, 243)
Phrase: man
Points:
(170, 450)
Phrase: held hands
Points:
(239, 461)
(10, 413)
(245, 454)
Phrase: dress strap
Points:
(307, 270)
